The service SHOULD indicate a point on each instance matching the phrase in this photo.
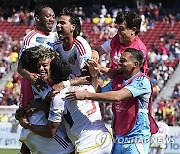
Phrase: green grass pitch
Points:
(9, 151)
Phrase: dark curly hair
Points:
(30, 57)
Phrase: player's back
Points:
(84, 125)
(82, 114)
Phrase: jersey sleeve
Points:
(83, 51)
(56, 109)
(139, 86)
(107, 46)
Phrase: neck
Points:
(68, 42)
(130, 40)
(130, 74)
(42, 31)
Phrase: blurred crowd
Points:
(163, 57)
(169, 110)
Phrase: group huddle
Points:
(61, 106)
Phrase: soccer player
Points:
(40, 57)
(131, 105)
(127, 37)
(41, 35)
(82, 119)
(73, 48)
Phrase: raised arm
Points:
(26, 74)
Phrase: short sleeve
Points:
(56, 109)
(139, 86)
(107, 46)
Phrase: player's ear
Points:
(73, 27)
(136, 64)
(134, 30)
(36, 18)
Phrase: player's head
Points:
(45, 55)
(68, 24)
(129, 24)
(59, 70)
(131, 61)
(44, 17)
(28, 61)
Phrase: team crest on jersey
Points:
(72, 58)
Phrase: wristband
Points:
(67, 83)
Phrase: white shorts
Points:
(44, 145)
(94, 142)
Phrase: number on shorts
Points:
(91, 111)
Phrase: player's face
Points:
(124, 33)
(127, 63)
(64, 27)
(46, 19)
(43, 67)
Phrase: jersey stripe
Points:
(60, 141)
(80, 47)
(28, 38)
(25, 40)
(31, 37)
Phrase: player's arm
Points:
(48, 130)
(134, 89)
(54, 119)
(72, 82)
(112, 96)
(99, 50)
(110, 72)
(35, 106)
(26, 74)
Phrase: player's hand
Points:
(93, 67)
(24, 122)
(40, 83)
(19, 113)
(33, 77)
(76, 95)
(31, 108)
(50, 96)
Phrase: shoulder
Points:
(81, 41)
(142, 81)
(141, 45)
(29, 37)
(82, 45)
(59, 97)
(115, 41)
(54, 34)
(57, 44)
